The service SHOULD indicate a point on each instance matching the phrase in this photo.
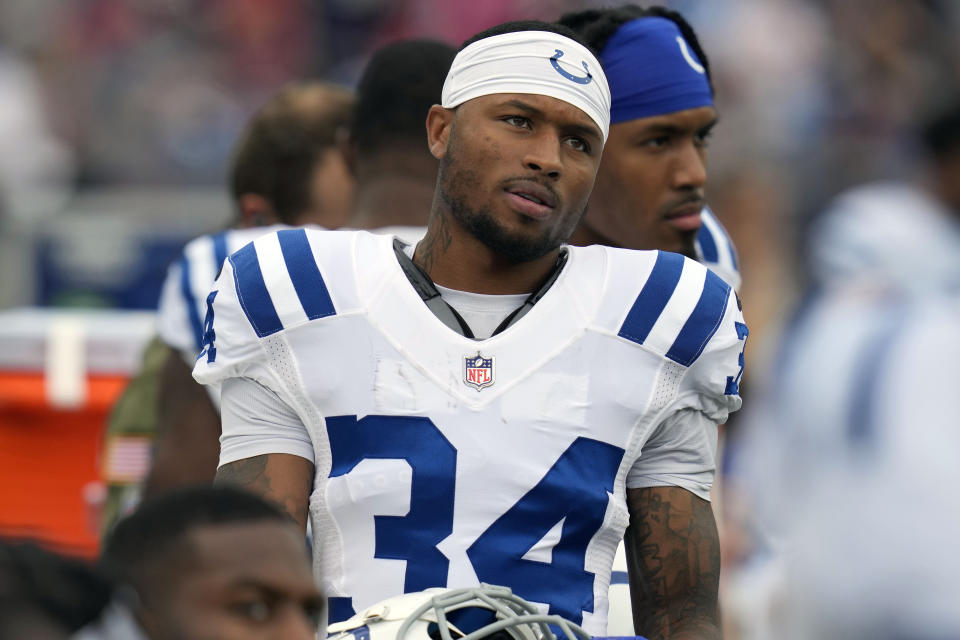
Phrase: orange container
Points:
(60, 373)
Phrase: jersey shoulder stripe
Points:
(653, 298)
(279, 283)
(252, 292)
(703, 322)
(305, 274)
(678, 310)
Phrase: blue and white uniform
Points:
(446, 461)
(849, 461)
(714, 249)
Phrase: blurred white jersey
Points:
(714, 249)
(183, 299)
(445, 461)
(850, 457)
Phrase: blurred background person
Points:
(45, 596)
(286, 170)
(395, 177)
(386, 151)
(847, 465)
(206, 562)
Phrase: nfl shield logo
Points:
(478, 371)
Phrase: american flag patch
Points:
(127, 459)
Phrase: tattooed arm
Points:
(673, 562)
(283, 478)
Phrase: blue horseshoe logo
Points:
(569, 76)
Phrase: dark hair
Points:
(399, 85)
(597, 26)
(528, 25)
(146, 538)
(279, 150)
(63, 591)
(940, 130)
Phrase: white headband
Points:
(536, 62)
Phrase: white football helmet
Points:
(487, 611)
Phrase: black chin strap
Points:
(448, 315)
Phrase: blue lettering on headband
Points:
(652, 71)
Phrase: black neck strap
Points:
(448, 315)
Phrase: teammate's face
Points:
(245, 581)
(516, 170)
(650, 187)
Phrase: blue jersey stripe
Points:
(702, 323)
(708, 245)
(219, 251)
(872, 363)
(305, 274)
(653, 297)
(619, 577)
(252, 291)
(733, 253)
(196, 324)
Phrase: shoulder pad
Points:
(278, 282)
(678, 310)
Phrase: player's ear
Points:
(255, 211)
(439, 122)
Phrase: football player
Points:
(650, 187)
(489, 405)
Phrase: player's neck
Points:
(584, 236)
(456, 259)
(392, 201)
(394, 189)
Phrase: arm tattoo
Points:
(256, 475)
(673, 558)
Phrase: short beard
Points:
(455, 183)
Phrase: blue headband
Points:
(652, 71)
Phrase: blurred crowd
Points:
(815, 98)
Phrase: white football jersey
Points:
(445, 461)
(714, 249)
